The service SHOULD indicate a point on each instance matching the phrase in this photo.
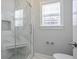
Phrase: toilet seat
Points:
(62, 56)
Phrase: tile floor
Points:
(42, 56)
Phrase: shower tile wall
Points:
(15, 41)
(7, 8)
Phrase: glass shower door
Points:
(23, 29)
(16, 31)
(7, 29)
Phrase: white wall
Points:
(60, 37)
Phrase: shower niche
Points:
(6, 25)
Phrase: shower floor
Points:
(42, 56)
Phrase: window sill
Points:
(52, 27)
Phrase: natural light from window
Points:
(51, 14)
(19, 17)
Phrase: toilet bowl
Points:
(62, 56)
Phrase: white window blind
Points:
(51, 14)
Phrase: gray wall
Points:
(60, 37)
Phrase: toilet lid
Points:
(62, 56)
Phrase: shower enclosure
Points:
(16, 33)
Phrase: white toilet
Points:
(62, 56)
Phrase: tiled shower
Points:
(16, 29)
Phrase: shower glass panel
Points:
(16, 29)
(22, 29)
(8, 31)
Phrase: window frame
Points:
(61, 15)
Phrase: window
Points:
(51, 14)
(19, 17)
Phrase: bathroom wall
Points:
(60, 37)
